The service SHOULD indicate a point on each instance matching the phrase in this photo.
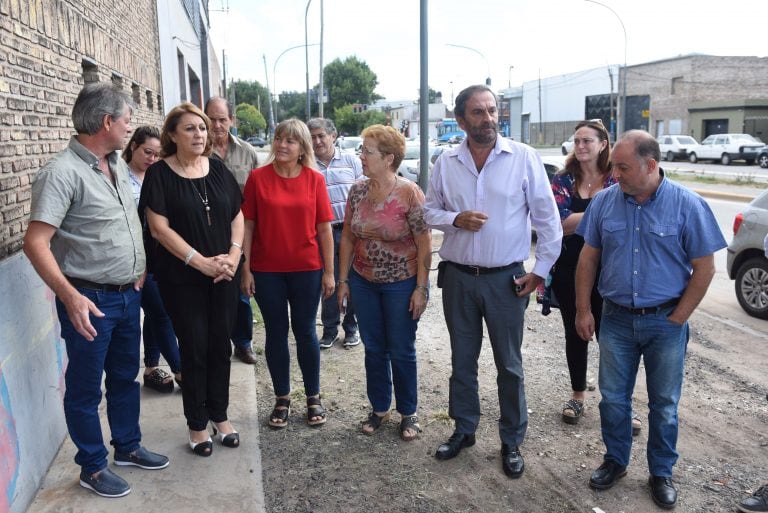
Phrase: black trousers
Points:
(576, 348)
(203, 318)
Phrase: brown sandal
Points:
(278, 419)
(374, 421)
(315, 412)
(409, 422)
(572, 411)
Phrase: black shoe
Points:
(245, 355)
(105, 483)
(512, 461)
(326, 342)
(663, 492)
(351, 340)
(606, 475)
(454, 445)
(756, 503)
(143, 458)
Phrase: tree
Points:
(350, 122)
(249, 120)
(291, 104)
(349, 81)
(252, 93)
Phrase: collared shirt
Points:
(342, 171)
(98, 233)
(135, 185)
(646, 250)
(241, 159)
(512, 189)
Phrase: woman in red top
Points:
(289, 247)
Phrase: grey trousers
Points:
(467, 301)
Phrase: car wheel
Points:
(692, 158)
(752, 287)
(562, 148)
(763, 160)
(725, 159)
(670, 156)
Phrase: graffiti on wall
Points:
(9, 447)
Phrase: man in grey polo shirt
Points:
(240, 158)
(85, 241)
(340, 170)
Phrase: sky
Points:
(513, 40)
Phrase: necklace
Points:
(204, 196)
(375, 199)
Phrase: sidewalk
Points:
(229, 480)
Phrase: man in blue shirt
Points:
(654, 241)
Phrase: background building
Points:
(48, 50)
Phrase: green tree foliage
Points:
(291, 104)
(251, 92)
(249, 120)
(352, 123)
(349, 81)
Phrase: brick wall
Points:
(43, 47)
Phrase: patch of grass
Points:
(741, 179)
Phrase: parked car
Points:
(746, 262)
(727, 148)
(567, 146)
(410, 166)
(762, 157)
(350, 144)
(255, 140)
(553, 164)
(676, 146)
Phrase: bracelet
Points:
(424, 290)
(238, 246)
(341, 281)
(189, 256)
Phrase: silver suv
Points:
(746, 260)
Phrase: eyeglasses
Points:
(150, 153)
(369, 152)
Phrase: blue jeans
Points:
(274, 293)
(624, 338)
(243, 330)
(329, 311)
(159, 337)
(389, 336)
(114, 352)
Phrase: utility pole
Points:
(321, 96)
(271, 108)
(541, 120)
(613, 119)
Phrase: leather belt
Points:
(338, 226)
(103, 287)
(476, 270)
(649, 309)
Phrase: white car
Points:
(410, 166)
(727, 148)
(350, 144)
(567, 146)
(553, 164)
(676, 146)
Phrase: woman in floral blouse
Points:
(384, 261)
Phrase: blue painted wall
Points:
(32, 363)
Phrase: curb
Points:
(730, 196)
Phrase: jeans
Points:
(159, 337)
(243, 330)
(389, 335)
(114, 352)
(624, 338)
(274, 293)
(329, 311)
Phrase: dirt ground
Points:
(723, 440)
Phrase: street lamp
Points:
(306, 57)
(509, 79)
(487, 80)
(623, 103)
(274, 67)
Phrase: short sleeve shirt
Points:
(646, 250)
(385, 250)
(98, 233)
(242, 158)
(342, 171)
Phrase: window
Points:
(149, 99)
(117, 81)
(90, 71)
(136, 94)
(676, 83)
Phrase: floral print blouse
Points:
(385, 250)
(564, 187)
